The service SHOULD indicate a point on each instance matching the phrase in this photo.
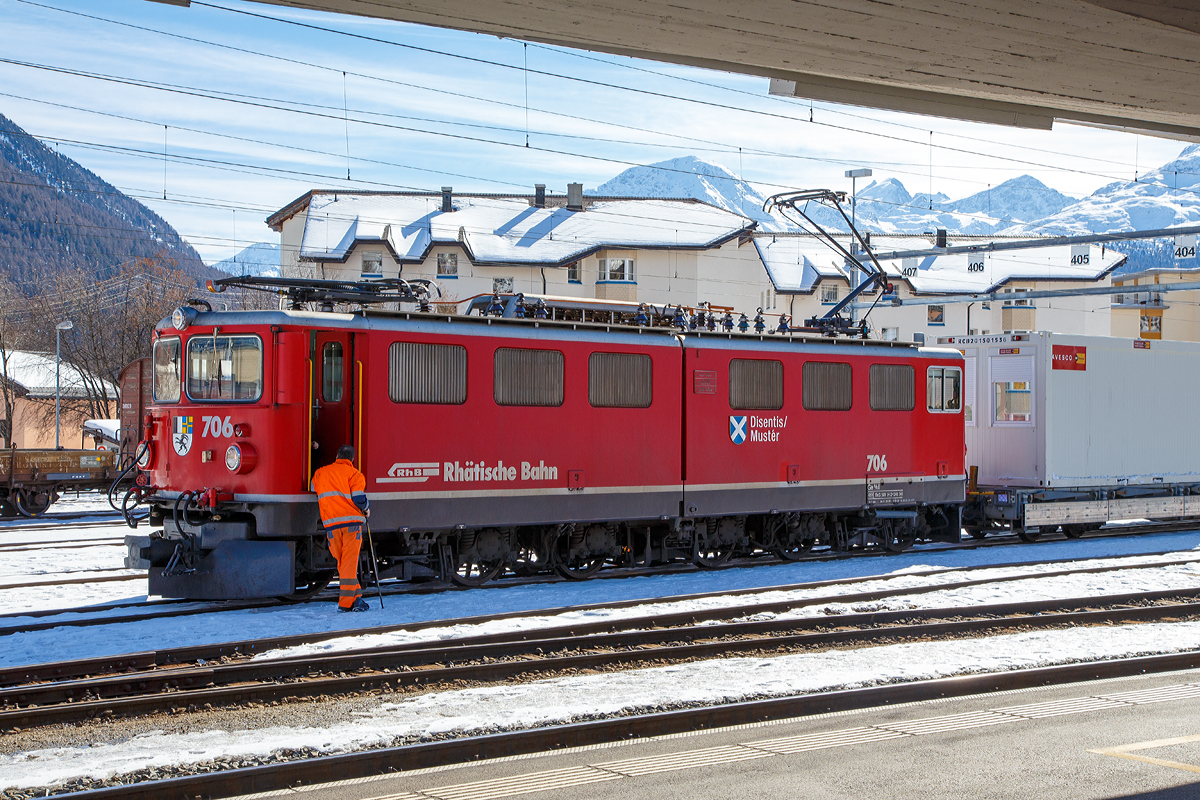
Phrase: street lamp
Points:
(65, 325)
(854, 175)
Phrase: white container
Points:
(1059, 411)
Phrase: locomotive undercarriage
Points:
(216, 553)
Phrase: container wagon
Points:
(1075, 431)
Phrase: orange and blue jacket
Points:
(341, 494)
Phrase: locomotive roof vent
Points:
(447, 199)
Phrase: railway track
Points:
(177, 608)
(157, 682)
(497, 660)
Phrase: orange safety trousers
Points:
(344, 544)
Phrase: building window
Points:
(755, 383)
(502, 285)
(573, 274)
(372, 262)
(892, 387)
(829, 293)
(224, 368)
(1151, 326)
(447, 265)
(331, 372)
(827, 386)
(527, 377)
(166, 371)
(936, 315)
(619, 380)
(943, 389)
(616, 269)
(427, 373)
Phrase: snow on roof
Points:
(34, 372)
(105, 427)
(959, 273)
(501, 230)
(796, 263)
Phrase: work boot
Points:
(358, 605)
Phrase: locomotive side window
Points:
(166, 371)
(224, 368)
(892, 387)
(827, 386)
(331, 372)
(427, 373)
(527, 377)
(619, 380)
(755, 383)
(943, 389)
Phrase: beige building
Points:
(31, 379)
(1146, 311)
(608, 251)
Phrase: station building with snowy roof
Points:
(611, 253)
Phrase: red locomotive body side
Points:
(500, 444)
(479, 463)
(788, 457)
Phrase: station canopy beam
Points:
(1026, 63)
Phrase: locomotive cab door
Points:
(332, 395)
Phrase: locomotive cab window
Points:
(755, 384)
(943, 390)
(427, 373)
(892, 387)
(166, 371)
(527, 377)
(619, 380)
(331, 372)
(827, 386)
(224, 368)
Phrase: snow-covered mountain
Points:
(261, 258)
(1161, 198)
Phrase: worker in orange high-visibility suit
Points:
(342, 498)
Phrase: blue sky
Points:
(420, 108)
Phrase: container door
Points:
(332, 396)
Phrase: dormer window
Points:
(447, 265)
(372, 262)
(829, 293)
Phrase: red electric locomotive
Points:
(493, 444)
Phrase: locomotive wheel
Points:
(1074, 531)
(793, 550)
(472, 572)
(897, 537)
(316, 583)
(7, 509)
(584, 570)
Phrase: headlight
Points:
(145, 455)
(182, 317)
(240, 458)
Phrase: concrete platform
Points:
(1124, 738)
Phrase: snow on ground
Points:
(898, 571)
(561, 700)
